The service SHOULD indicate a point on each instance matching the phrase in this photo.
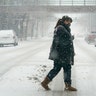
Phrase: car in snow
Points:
(8, 37)
(90, 38)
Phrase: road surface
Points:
(35, 52)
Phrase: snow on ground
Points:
(85, 53)
(24, 80)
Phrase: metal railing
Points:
(47, 2)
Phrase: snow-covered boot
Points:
(45, 83)
(69, 87)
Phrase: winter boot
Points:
(69, 87)
(45, 83)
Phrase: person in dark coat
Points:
(62, 53)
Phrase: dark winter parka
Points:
(63, 43)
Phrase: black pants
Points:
(57, 67)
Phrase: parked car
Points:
(91, 38)
(8, 37)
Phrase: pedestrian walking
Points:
(62, 53)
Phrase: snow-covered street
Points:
(23, 67)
